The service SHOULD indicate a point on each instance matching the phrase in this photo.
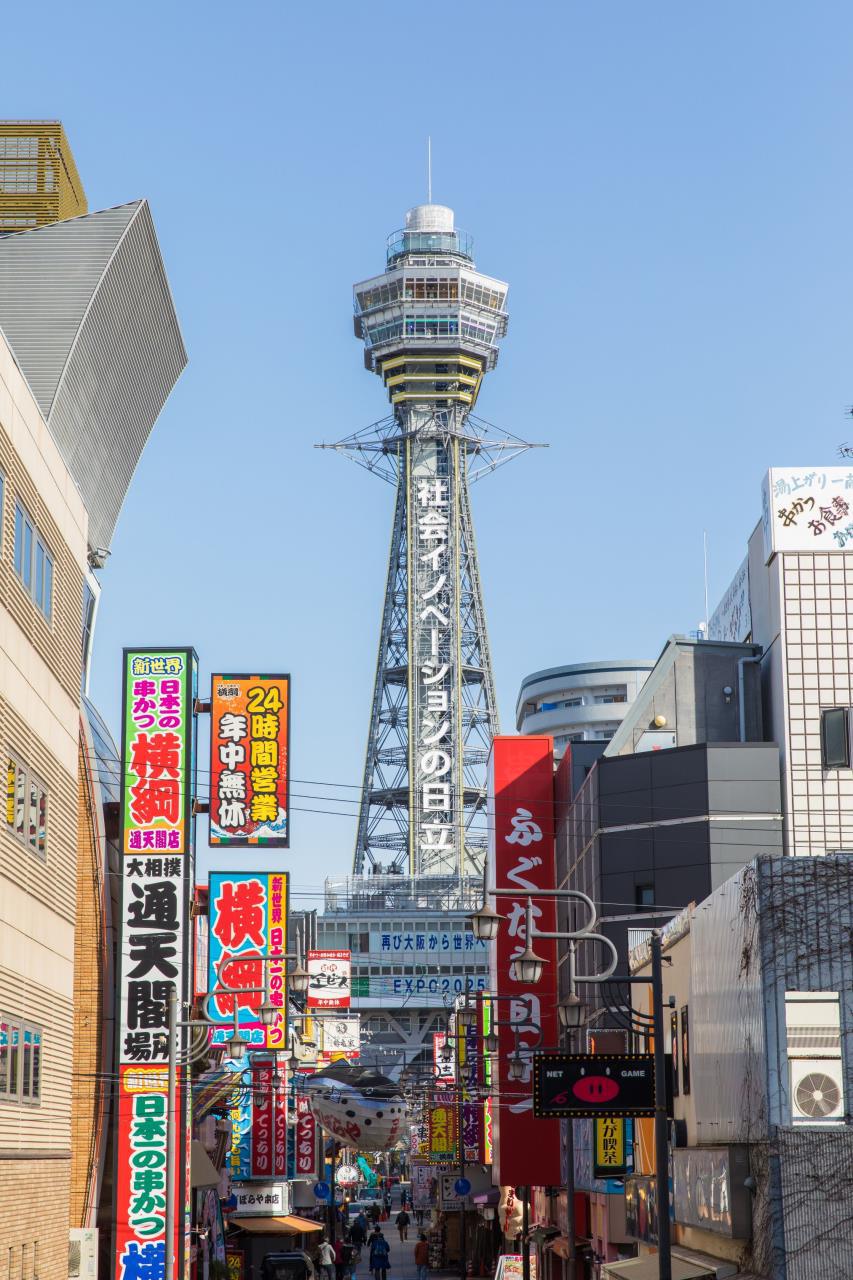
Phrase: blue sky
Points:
(666, 187)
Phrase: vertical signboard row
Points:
(158, 743)
(521, 832)
(248, 922)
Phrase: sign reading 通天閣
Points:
(249, 760)
(158, 748)
(807, 509)
(248, 920)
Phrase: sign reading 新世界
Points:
(153, 948)
(605, 1084)
(249, 760)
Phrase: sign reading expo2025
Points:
(249, 760)
(156, 875)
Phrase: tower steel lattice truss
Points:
(431, 325)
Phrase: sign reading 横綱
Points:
(157, 873)
(247, 915)
(807, 509)
(328, 979)
(249, 760)
(521, 858)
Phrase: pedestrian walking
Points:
(379, 1255)
(375, 1212)
(326, 1255)
(422, 1256)
(419, 1217)
(402, 1221)
(358, 1231)
(339, 1259)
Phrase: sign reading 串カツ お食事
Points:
(247, 913)
(329, 979)
(157, 779)
(807, 509)
(249, 760)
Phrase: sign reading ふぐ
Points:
(249, 760)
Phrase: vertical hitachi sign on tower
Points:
(431, 325)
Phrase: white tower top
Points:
(430, 217)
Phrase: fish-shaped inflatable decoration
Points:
(358, 1106)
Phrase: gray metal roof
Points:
(86, 308)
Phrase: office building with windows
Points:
(89, 349)
(582, 702)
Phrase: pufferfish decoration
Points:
(358, 1106)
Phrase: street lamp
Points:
(571, 1011)
(485, 923)
(238, 1044)
(298, 978)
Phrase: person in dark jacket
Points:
(379, 1255)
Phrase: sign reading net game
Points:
(600, 1084)
(328, 979)
(249, 755)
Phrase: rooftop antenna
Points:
(429, 170)
(705, 549)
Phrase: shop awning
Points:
(287, 1226)
(203, 1172)
(647, 1269)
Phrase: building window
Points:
(20, 1061)
(33, 561)
(835, 738)
(26, 807)
(601, 698)
(644, 895)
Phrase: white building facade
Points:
(582, 702)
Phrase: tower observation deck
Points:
(431, 324)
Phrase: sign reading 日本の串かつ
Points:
(249, 760)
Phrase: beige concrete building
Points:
(42, 569)
(90, 348)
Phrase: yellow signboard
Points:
(609, 1134)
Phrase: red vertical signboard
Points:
(521, 858)
(262, 1120)
(306, 1139)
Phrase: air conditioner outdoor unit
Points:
(817, 1091)
(83, 1253)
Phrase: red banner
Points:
(306, 1139)
(280, 1134)
(521, 858)
(262, 1120)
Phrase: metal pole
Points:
(570, 1147)
(661, 1122)
(460, 1138)
(525, 1239)
(333, 1208)
(171, 1132)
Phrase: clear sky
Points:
(666, 186)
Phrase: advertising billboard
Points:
(597, 1084)
(807, 509)
(441, 1119)
(250, 760)
(341, 1037)
(521, 859)
(247, 919)
(158, 745)
(329, 979)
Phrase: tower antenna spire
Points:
(429, 169)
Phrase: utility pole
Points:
(525, 1238)
(661, 1122)
(460, 1139)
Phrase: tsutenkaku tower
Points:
(431, 325)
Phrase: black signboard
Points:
(593, 1084)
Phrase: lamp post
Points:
(528, 968)
(296, 979)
